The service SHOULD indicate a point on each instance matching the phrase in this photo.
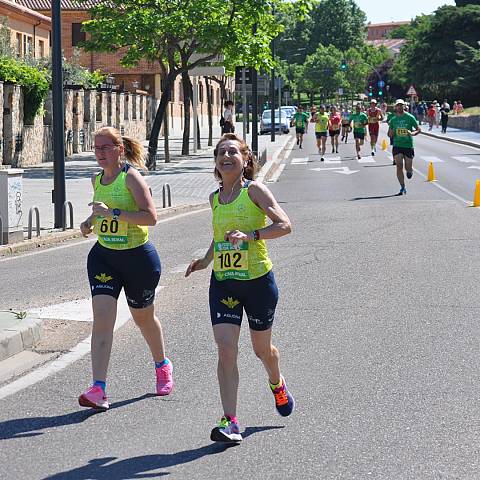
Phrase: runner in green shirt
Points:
(360, 120)
(402, 127)
(321, 120)
(300, 120)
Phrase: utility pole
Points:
(254, 106)
(58, 193)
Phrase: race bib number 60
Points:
(230, 262)
(112, 231)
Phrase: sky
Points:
(396, 10)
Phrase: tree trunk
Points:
(166, 145)
(186, 85)
(159, 116)
(209, 111)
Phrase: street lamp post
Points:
(58, 193)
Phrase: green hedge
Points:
(34, 82)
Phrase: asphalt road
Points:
(377, 327)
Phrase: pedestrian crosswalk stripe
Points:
(299, 161)
(331, 160)
(366, 160)
(465, 159)
(429, 159)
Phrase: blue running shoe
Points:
(409, 175)
(403, 191)
(284, 401)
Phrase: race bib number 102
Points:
(230, 262)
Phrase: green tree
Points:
(322, 71)
(469, 63)
(169, 32)
(429, 59)
(463, 3)
(337, 22)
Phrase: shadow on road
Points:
(374, 198)
(32, 426)
(144, 466)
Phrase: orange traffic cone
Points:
(384, 145)
(476, 195)
(431, 173)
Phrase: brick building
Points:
(379, 31)
(30, 30)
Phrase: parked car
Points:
(289, 110)
(282, 123)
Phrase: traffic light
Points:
(380, 93)
(370, 93)
(343, 65)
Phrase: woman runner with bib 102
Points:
(123, 257)
(242, 277)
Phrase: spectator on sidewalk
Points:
(123, 257)
(459, 107)
(431, 116)
(228, 119)
(444, 121)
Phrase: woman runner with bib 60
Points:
(122, 209)
(242, 277)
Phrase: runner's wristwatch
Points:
(116, 212)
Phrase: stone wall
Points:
(471, 122)
(85, 112)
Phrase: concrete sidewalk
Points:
(191, 181)
(456, 135)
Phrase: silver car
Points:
(282, 122)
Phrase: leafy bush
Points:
(34, 81)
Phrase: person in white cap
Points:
(402, 127)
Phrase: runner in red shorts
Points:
(375, 116)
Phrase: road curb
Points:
(271, 165)
(450, 139)
(16, 339)
(55, 237)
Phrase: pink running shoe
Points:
(95, 398)
(164, 379)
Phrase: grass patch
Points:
(471, 111)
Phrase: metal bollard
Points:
(64, 215)
(165, 191)
(37, 221)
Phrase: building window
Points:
(77, 34)
(28, 46)
(200, 92)
(41, 48)
(18, 45)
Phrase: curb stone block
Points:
(10, 344)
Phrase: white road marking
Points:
(332, 160)
(474, 167)
(94, 238)
(443, 189)
(299, 161)
(77, 352)
(342, 170)
(466, 160)
(366, 160)
(429, 159)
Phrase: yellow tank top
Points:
(250, 260)
(115, 233)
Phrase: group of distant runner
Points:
(402, 127)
